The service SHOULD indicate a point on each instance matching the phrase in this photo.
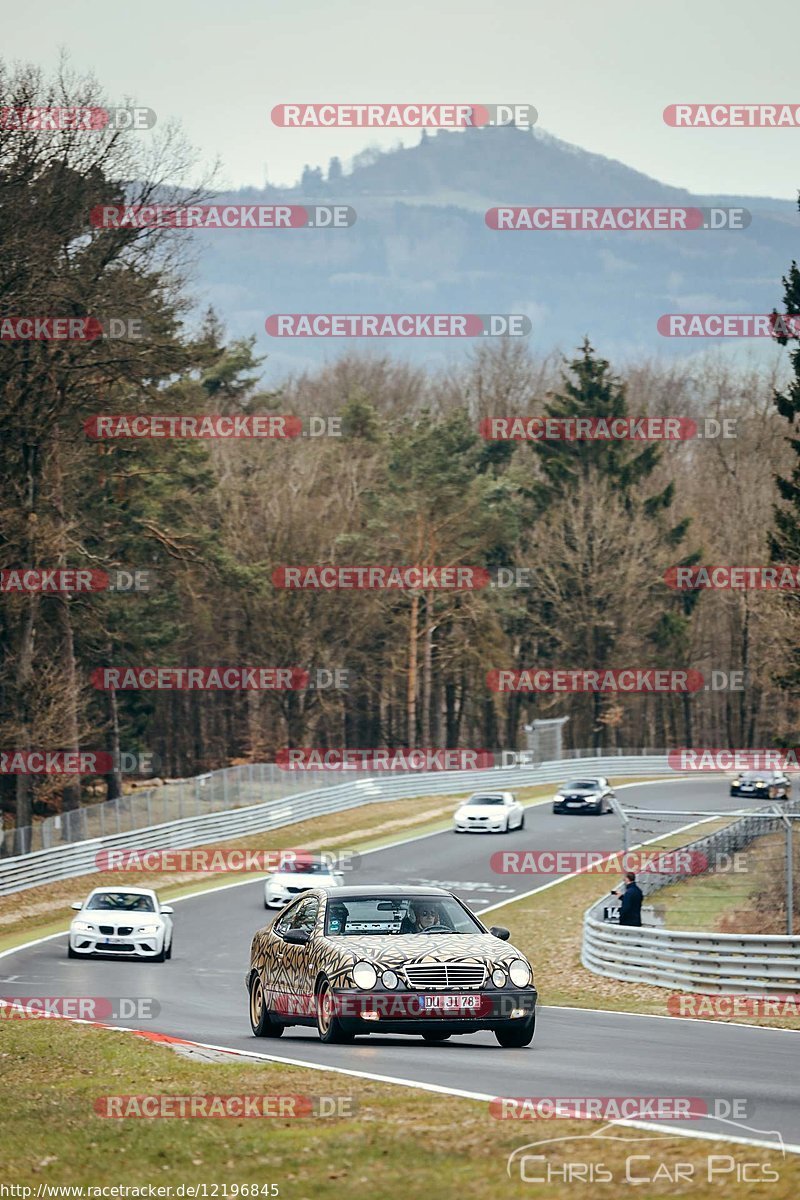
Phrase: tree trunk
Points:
(427, 669)
(113, 779)
(411, 696)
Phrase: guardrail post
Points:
(789, 879)
(787, 822)
(625, 819)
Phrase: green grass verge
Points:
(397, 1142)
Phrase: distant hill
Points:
(420, 244)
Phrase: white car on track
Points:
(489, 812)
(307, 871)
(122, 921)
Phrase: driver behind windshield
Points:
(423, 915)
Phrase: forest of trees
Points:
(410, 480)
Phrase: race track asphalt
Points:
(576, 1052)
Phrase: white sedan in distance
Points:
(307, 871)
(489, 812)
(124, 922)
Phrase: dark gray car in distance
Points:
(589, 794)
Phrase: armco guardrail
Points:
(695, 961)
(78, 858)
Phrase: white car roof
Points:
(133, 891)
(487, 795)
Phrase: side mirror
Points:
(77, 905)
(165, 908)
(297, 937)
(500, 932)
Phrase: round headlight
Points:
(389, 980)
(520, 973)
(364, 975)
(498, 977)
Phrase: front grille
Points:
(122, 930)
(106, 929)
(444, 975)
(127, 946)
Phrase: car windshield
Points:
(364, 915)
(587, 785)
(122, 902)
(305, 868)
(754, 776)
(486, 800)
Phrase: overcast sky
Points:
(600, 74)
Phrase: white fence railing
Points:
(79, 858)
(693, 960)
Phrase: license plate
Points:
(447, 1002)
(111, 942)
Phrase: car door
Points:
(305, 919)
(515, 813)
(276, 970)
(295, 958)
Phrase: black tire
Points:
(161, 957)
(71, 953)
(261, 1023)
(517, 1034)
(522, 822)
(435, 1037)
(168, 953)
(508, 825)
(329, 1026)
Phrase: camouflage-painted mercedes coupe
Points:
(357, 960)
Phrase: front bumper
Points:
(576, 806)
(428, 1012)
(128, 946)
(476, 827)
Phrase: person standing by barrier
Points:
(630, 909)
